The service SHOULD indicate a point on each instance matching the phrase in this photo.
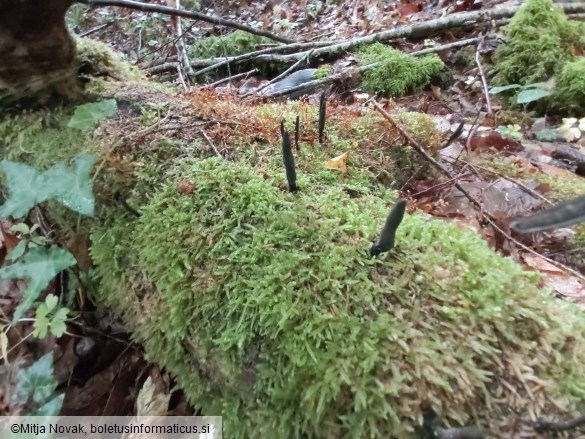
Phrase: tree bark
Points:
(38, 53)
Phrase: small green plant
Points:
(510, 131)
(28, 240)
(87, 115)
(70, 186)
(36, 384)
(33, 260)
(529, 92)
(50, 318)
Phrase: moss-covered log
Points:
(266, 309)
(265, 306)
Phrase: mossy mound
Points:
(267, 311)
(539, 42)
(398, 73)
(232, 44)
(570, 88)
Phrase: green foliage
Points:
(87, 115)
(39, 266)
(323, 71)
(232, 44)
(50, 318)
(569, 94)
(529, 54)
(529, 92)
(37, 382)
(510, 131)
(397, 73)
(40, 137)
(28, 240)
(262, 302)
(100, 61)
(71, 186)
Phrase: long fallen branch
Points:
(419, 30)
(146, 7)
(360, 70)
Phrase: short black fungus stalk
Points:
(289, 162)
(455, 135)
(297, 131)
(386, 241)
(122, 200)
(564, 214)
(322, 116)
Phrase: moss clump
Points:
(98, 60)
(232, 44)
(264, 307)
(569, 95)
(323, 71)
(397, 73)
(538, 42)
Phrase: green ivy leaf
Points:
(526, 96)
(70, 186)
(40, 265)
(37, 380)
(87, 115)
(51, 408)
(496, 90)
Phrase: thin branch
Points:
(231, 78)
(146, 7)
(204, 134)
(282, 75)
(96, 29)
(215, 63)
(419, 30)
(482, 76)
(541, 426)
(360, 70)
(180, 43)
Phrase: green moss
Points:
(100, 62)
(323, 71)
(397, 73)
(569, 95)
(265, 308)
(232, 44)
(531, 55)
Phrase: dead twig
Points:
(360, 70)
(419, 30)
(231, 78)
(282, 75)
(204, 134)
(541, 426)
(147, 7)
(96, 29)
(482, 76)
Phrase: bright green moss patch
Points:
(265, 308)
(397, 73)
(531, 55)
(569, 94)
(232, 44)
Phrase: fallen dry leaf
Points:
(338, 162)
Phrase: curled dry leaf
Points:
(339, 162)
